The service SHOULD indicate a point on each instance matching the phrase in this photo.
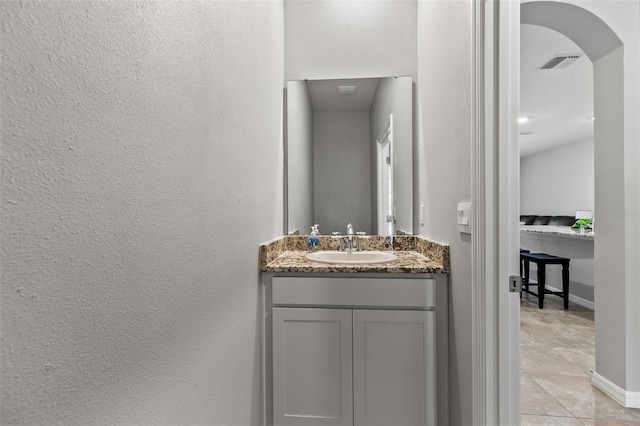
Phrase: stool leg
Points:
(565, 284)
(526, 275)
(541, 286)
(521, 276)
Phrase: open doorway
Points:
(611, 370)
(556, 181)
(608, 33)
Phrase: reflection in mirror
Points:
(349, 155)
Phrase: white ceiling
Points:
(558, 102)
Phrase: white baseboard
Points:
(573, 298)
(623, 397)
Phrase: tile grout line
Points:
(536, 318)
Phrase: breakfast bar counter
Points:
(561, 231)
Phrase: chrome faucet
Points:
(350, 237)
(351, 240)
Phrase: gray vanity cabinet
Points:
(355, 351)
(312, 373)
(394, 368)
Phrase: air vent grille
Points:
(559, 62)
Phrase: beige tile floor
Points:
(556, 352)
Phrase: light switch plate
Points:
(463, 217)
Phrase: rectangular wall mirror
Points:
(349, 155)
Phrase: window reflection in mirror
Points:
(336, 144)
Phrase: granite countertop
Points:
(563, 231)
(415, 255)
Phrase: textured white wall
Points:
(444, 150)
(558, 181)
(327, 39)
(141, 168)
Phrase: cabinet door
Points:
(312, 374)
(394, 368)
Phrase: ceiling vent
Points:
(559, 62)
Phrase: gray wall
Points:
(341, 182)
(141, 162)
(349, 39)
(299, 154)
(444, 150)
(354, 39)
(558, 181)
(141, 168)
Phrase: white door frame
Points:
(385, 189)
(495, 212)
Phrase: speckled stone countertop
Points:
(562, 231)
(415, 255)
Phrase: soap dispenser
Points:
(313, 240)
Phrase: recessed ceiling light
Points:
(523, 119)
(346, 90)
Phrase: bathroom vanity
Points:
(355, 344)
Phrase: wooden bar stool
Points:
(542, 260)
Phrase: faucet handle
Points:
(360, 235)
(349, 229)
(339, 236)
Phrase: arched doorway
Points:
(615, 372)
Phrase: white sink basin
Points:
(356, 257)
